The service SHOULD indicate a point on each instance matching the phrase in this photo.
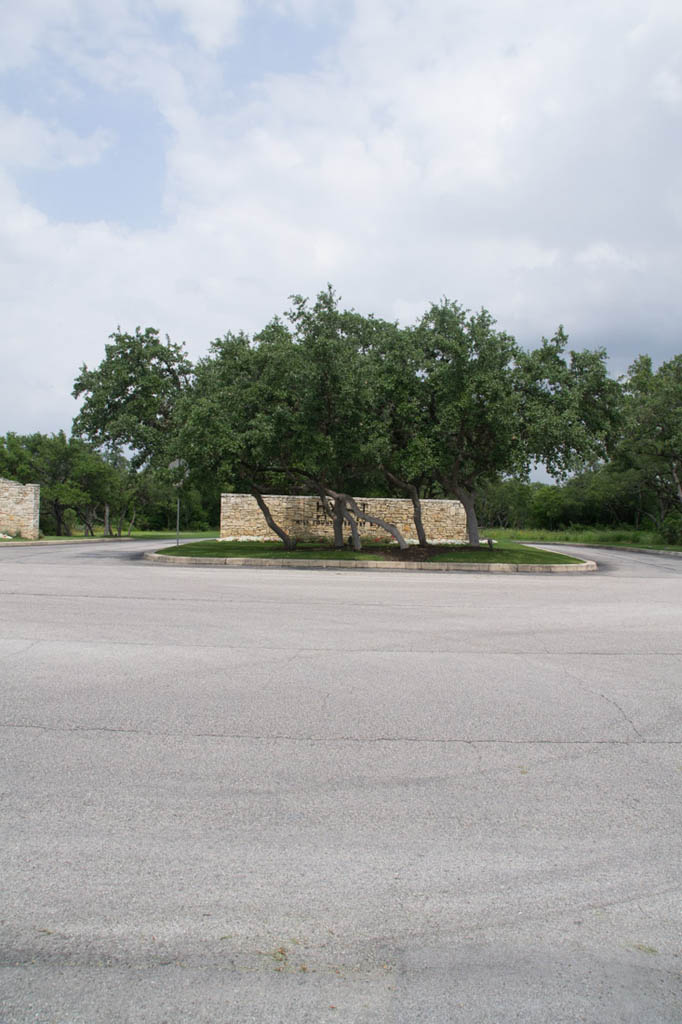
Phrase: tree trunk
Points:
(338, 517)
(107, 526)
(376, 521)
(467, 498)
(416, 504)
(677, 481)
(352, 522)
(289, 542)
(132, 522)
(59, 519)
(350, 502)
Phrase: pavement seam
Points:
(502, 651)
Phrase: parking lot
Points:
(233, 795)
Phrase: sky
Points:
(190, 164)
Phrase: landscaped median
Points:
(502, 557)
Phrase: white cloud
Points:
(603, 254)
(212, 23)
(511, 153)
(667, 87)
(27, 141)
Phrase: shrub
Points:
(671, 528)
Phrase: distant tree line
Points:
(83, 489)
(637, 483)
(327, 401)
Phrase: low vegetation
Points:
(604, 536)
(504, 551)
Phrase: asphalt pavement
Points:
(241, 795)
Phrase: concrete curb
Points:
(391, 566)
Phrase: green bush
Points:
(671, 528)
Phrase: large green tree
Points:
(130, 398)
(404, 445)
(651, 440)
(327, 400)
(493, 409)
(291, 408)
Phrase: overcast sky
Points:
(188, 164)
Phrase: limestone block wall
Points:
(19, 509)
(303, 517)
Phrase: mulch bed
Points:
(418, 553)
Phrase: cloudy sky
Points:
(188, 164)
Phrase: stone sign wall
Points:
(19, 509)
(303, 517)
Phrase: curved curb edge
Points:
(318, 563)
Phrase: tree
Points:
(74, 478)
(651, 440)
(338, 441)
(494, 409)
(401, 415)
(571, 409)
(131, 397)
(291, 408)
(328, 400)
(234, 421)
(472, 402)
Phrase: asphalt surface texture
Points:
(241, 795)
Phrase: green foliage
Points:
(603, 495)
(570, 408)
(327, 400)
(650, 446)
(74, 479)
(505, 502)
(671, 528)
(131, 397)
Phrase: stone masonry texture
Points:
(19, 509)
(303, 517)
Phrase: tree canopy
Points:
(650, 443)
(326, 400)
(130, 398)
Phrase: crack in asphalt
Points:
(627, 718)
(288, 738)
(22, 650)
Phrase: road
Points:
(241, 795)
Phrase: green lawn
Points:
(135, 535)
(588, 535)
(504, 551)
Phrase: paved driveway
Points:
(234, 795)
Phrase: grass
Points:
(504, 551)
(135, 535)
(264, 549)
(611, 536)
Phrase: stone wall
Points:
(303, 517)
(19, 509)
